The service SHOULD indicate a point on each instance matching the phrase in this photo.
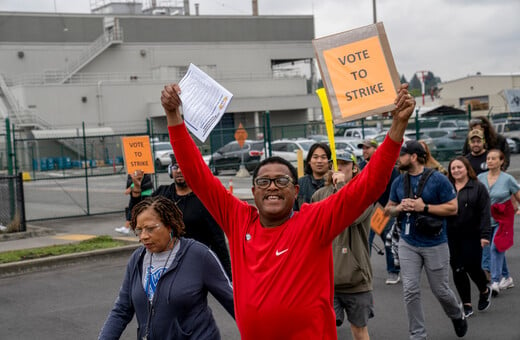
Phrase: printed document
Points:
(204, 101)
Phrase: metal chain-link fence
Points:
(12, 210)
(84, 174)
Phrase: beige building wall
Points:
(482, 92)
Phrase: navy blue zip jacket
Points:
(179, 309)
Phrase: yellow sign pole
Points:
(327, 116)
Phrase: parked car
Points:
(349, 144)
(510, 128)
(231, 156)
(382, 135)
(287, 148)
(514, 146)
(453, 124)
(446, 142)
(360, 133)
(319, 138)
(409, 134)
(161, 154)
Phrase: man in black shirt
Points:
(199, 223)
(478, 153)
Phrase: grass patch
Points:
(99, 242)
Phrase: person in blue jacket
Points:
(167, 280)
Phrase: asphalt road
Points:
(72, 302)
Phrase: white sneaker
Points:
(495, 289)
(393, 278)
(123, 230)
(506, 283)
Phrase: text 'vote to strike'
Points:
(361, 92)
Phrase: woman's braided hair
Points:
(167, 211)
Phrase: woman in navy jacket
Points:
(167, 280)
(468, 232)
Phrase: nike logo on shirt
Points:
(278, 253)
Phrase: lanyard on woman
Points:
(148, 288)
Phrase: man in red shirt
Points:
(281, 259)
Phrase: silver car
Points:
(288, 148)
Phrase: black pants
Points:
(465, 261)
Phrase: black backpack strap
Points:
(426, 174)
(408, 188)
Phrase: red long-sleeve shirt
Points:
(283, 276)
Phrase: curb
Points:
(27, 266)
(32, 231)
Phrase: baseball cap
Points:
(476, 133)
(368, 143)
(413, 147)
(346, 156)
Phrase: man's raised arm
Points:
(171, 103)
(405, 105)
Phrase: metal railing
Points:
(108, 38)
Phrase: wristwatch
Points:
(426, 207)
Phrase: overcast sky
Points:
(451, 38)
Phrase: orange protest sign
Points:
(241, 135)
(379, 219)
(358, 72)
(138, 154)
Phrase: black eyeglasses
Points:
(280, 182)
(175, 167)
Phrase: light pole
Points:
(374, 12)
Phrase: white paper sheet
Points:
(204, 101)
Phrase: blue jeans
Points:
(390, 264)
(498, 262)
(486, 258)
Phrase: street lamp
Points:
(374, 12)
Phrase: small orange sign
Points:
(379, 219)
(241, 135)
(138, 154)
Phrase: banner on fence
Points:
(138, 154)
(358, 72)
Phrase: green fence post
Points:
(10, 154)
(86, 166)
(363, 127)
(32, 158)
(15, 159)
(149, 128)
(9, 151)
(267, 127)
(469, 112)
(417, 126)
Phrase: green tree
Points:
(431, 83)
(415, 83)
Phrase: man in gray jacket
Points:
(352, 268)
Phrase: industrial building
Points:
(106, 69)
(485, 94)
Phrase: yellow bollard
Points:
(299, 157)
(26, 177)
